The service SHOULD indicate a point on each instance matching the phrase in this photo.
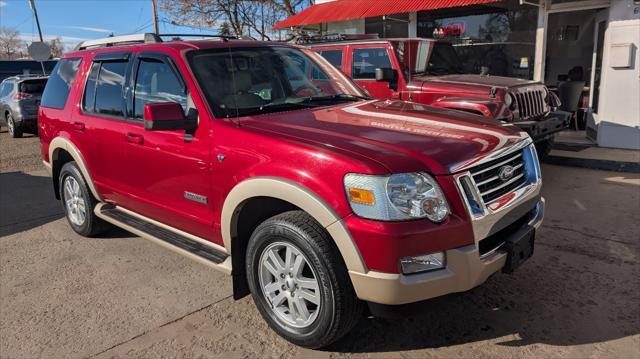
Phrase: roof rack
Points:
(148, 37)
(312, 39)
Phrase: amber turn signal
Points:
(363, 196)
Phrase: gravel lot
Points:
(62, 295)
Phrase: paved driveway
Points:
(62, 295)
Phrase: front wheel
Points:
(299, 282)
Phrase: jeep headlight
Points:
(396, 197)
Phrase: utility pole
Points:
(155, 16)
(262, 18)
(32, 4)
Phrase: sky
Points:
(78, 20)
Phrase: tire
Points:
(14, 130)
(337, 309)
(74, 188)
(544, 148)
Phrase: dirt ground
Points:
(119, 296)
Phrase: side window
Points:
(334, 57)
(89, 98)
(156, 82)
(103, 91)
(4, 89)
(366, 61)
(57, 89)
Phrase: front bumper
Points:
(465, 269)
(542, 129)
(467, 265)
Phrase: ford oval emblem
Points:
(506, 172)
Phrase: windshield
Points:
(427, 58)
(244, 81)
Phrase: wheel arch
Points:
(61, 151)
(283, 195)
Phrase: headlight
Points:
(397, 197)
(508, 100)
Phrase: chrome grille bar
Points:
(514, 179)
(519, 154)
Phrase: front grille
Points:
(490, 185)
(530, 103)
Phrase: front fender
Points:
(299, 196)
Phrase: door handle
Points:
(134, 138)
(78, 126)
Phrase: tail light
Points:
(22, 96)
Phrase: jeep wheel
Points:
(78, 202)
(299, 282)
(14, 130)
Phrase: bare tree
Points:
(236, 17)
(10, 44)
(57, 47)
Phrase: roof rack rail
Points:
(116, 40)
(198, 35)
(145, 38)
(312, 39)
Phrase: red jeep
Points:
(429, 72)
(265, 162)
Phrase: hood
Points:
(480, 81)
(402, 136)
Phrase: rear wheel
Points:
(299, 282)
(79, 203)
(14, 130)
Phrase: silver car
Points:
(19, 102)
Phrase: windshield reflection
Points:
(245, 81)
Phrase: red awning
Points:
(342, 10)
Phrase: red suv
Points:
(429, 71)
(263, 161)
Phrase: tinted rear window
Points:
(57, 89)
(333, 56)
(33, 86)
(108, 97)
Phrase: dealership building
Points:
(542, 40)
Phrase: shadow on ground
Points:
(553, 303)
(27, 201)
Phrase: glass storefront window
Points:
(498, 38)
(395, 25)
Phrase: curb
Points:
(606, 165)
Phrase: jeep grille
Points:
(530, 103)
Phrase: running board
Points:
(183, 243)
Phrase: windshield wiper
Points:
(340, 96)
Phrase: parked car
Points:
(265, 162)
(429, 71)
(19, 102)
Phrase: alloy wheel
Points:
(10, 124)
(289, 284)
(74, 201)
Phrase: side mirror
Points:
(167, 116)
(388, 75)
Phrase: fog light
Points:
(424, 263)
